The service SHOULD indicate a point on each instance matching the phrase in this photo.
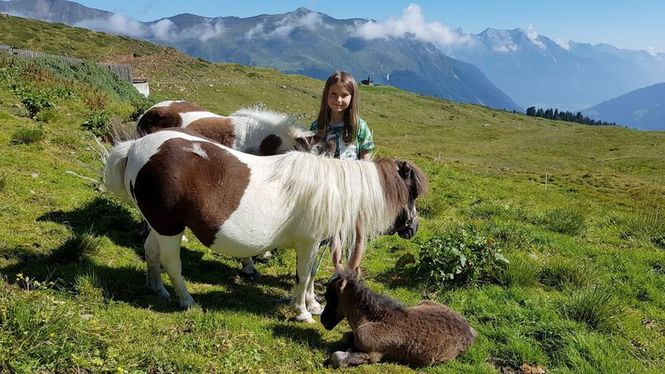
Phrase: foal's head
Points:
(333, 313)
(346, 294)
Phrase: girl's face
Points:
(339, 99)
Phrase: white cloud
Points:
(655, 51)
(115, 24)
(163, 30)
(411, 24)
(284, 27)
(532, 34)
(255, 31)
(563, 44)
(205, 32)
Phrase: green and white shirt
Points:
(364, 141)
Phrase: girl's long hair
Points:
(350, 115)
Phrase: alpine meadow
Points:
(548, 237)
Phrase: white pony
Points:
(241, 205)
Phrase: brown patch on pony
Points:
(165, 116)
(395, 190)
(402, 182)
(185, 106)
(158, 118)
(219, 129)
(270, 145)
(176, 179)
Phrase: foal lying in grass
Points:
(384, 330)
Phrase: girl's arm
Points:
(367, 156)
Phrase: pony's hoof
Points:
(263, 257)
(253, 275)
(187, 302)
(315, 308)
(163, 294)
(160, 291)
(338, 359)
(305, 317)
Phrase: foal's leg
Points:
(305, 258)
(154, 267)
(341, 359)
(169, 256)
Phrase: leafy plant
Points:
(97, 123)
(459, 257)
(35, 101)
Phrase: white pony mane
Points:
(261, 119)
(331, 194)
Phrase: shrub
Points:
(97, 123)
(27, 135)
(35, 101)
(596, 307)
(564, 220)
(461, 256)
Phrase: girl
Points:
(338, 122)
(338, 119)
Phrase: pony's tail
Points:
(114, 169)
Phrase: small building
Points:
(141, 85)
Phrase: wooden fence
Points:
(123, 71)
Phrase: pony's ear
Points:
(404, 169)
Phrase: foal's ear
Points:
(343, 285)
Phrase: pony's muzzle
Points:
(410, 230)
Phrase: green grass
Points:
(581, 224)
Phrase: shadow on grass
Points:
(127, 284)
(304, 334)
(103, 217)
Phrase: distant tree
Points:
(555, 114)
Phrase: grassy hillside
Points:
(577, 211)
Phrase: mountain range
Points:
(643, 108)
(536, 71)
(505, 69)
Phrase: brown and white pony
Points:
(385, 330)
(242, 205)
(253, 130)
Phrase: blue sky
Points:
(632, 24)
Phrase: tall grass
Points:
(596, 307)
(27, 135)
(568, 220)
